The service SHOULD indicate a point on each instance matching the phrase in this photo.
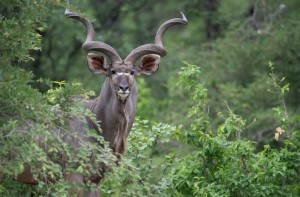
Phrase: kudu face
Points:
(122, 74)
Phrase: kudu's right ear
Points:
(96, 63)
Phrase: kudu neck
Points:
(115, 116)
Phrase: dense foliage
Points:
(224, 167)
(237, 123)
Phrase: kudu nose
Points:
(123, 87)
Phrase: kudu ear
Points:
(96, 63)
(149, 64)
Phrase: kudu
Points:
(115, 107)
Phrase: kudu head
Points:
(121, 72)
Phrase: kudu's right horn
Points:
(90, 44)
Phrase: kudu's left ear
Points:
(149, 64)
(96, 63)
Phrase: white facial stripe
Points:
(119, 73)
(122, 92)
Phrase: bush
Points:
(224, 164)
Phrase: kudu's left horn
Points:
(158, 47)
(90, 44)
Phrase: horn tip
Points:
(184, 17)
(70, 14)
(67, 12)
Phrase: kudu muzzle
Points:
(123, 80)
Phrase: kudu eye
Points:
(113, 72)
(132, 72)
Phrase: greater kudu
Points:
(115, 107)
